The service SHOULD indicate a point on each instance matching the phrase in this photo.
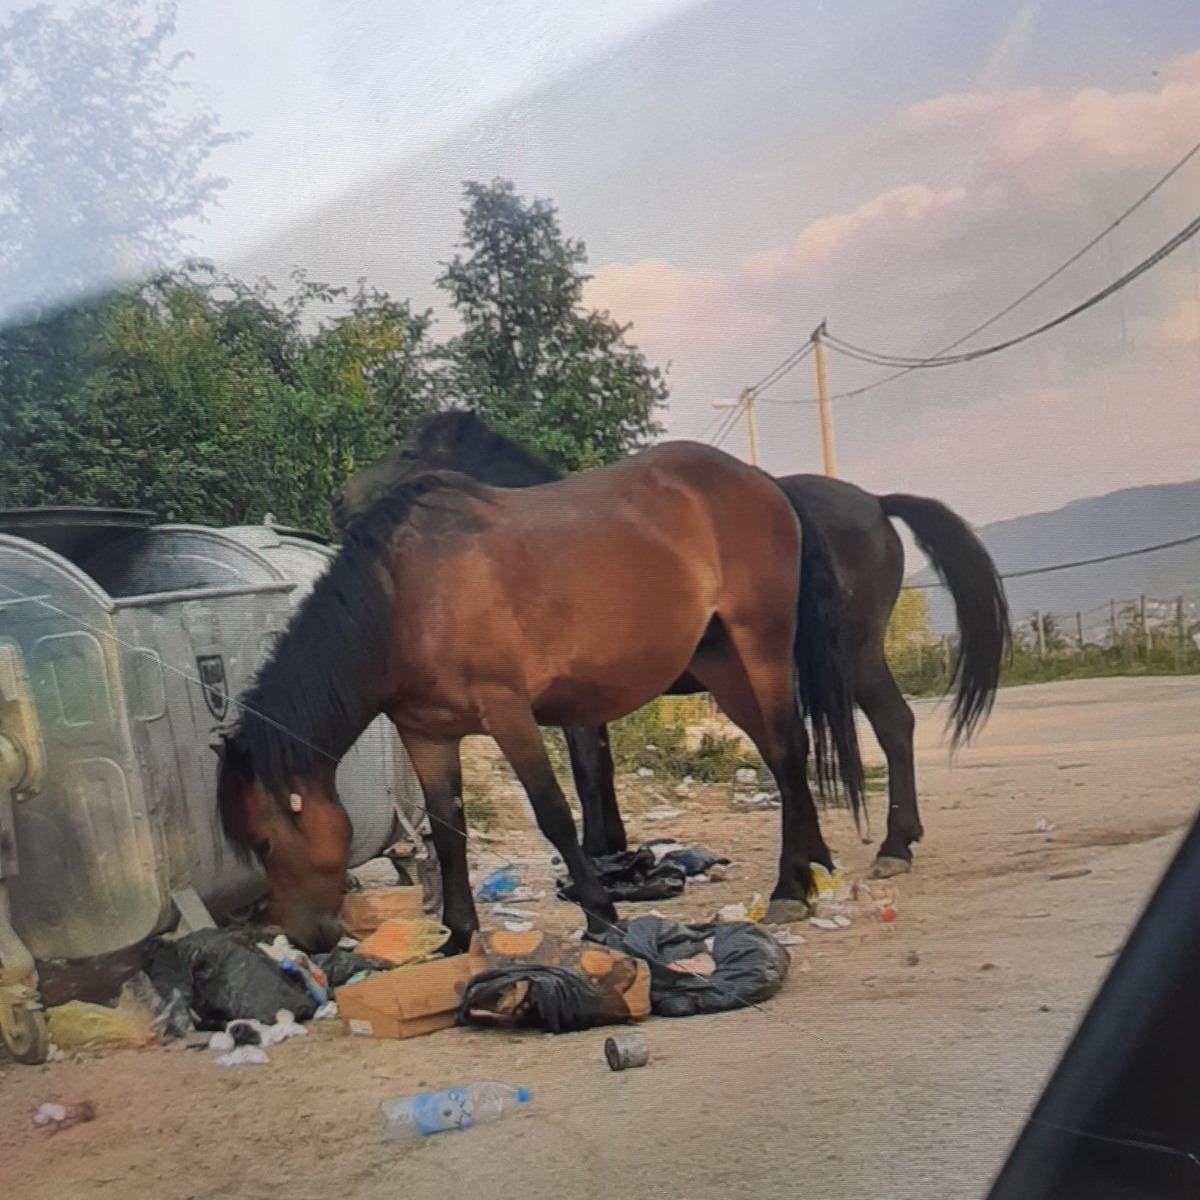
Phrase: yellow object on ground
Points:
(824, 882)
(402, 941)
(78, 1025)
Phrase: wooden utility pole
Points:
(1145, 626)
(1079, 630)
(823, 401)
(751, 432)
(1041, 634)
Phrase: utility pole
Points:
(745, 402)
(751, 432)
(823, 401)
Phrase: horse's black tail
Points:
(967, 570)
(823, 672)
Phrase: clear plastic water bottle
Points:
(455, 1108)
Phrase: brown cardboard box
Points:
(363, 912)
(408, 1001)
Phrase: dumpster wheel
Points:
(23, 1027)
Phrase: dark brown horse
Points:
(459, 609)
(853, 527)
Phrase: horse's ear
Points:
(234, 755)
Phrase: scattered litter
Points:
(842, 922)
(988, 966)
(624, 1051)
(756, 909)
(749, 964)
(327, 1012)
(456, 1108)
(515, 914)
(499, 885)
(663, 814)
(1043, 826)
(518, 926)
(758, 800)
(297, 964)
(912, 958)
(785, 937)
(53, 1117)
(524, 895)
(683, 791)
(243, 1056)
(1076, 873)
(1033, 916)
(823, 922)
(400, 942)
(745, 777)
(729, 913)
(645, 773)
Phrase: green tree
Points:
(206, 399)
(98, 167)
(529, 358)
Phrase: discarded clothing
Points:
(750, 965)
(220, 976)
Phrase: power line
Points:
(892, 360)
(1037, 287)
(793, 360)
(1080, 562)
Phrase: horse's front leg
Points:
(592, 769)
(439, 769)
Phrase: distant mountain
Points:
(1120, 521)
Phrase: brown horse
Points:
(842, 525)
(459, 609)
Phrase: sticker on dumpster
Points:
(212, 682)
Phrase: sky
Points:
(740, 172)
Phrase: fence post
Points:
(1145, 626)
(1112, 620)
(1079, 631)
(1041, 632)
(1180, 631)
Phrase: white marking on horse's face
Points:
(296, 801)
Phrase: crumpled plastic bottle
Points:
(407, 1117)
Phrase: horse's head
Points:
(302, 838)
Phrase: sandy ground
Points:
(899, 1060)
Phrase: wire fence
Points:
(1120, 636)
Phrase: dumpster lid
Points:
(73, 531)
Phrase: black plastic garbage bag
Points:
(695, 859)
(341, 965)
(556, 999)
(634, 875)
(750, 964)
(221, 976)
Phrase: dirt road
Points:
(898, 1061)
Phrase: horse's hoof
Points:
(886, 866)
(788, 912)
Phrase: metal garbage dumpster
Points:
(121, 644)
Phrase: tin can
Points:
(626, 1050)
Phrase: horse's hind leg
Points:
(439, 770)
(592, 769)
(880, 698)
(755, 688)
(511, 723)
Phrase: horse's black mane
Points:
(317, 692)
(479, 451)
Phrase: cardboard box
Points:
(408, 1001)
(363, 912)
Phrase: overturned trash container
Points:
(121, 645)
